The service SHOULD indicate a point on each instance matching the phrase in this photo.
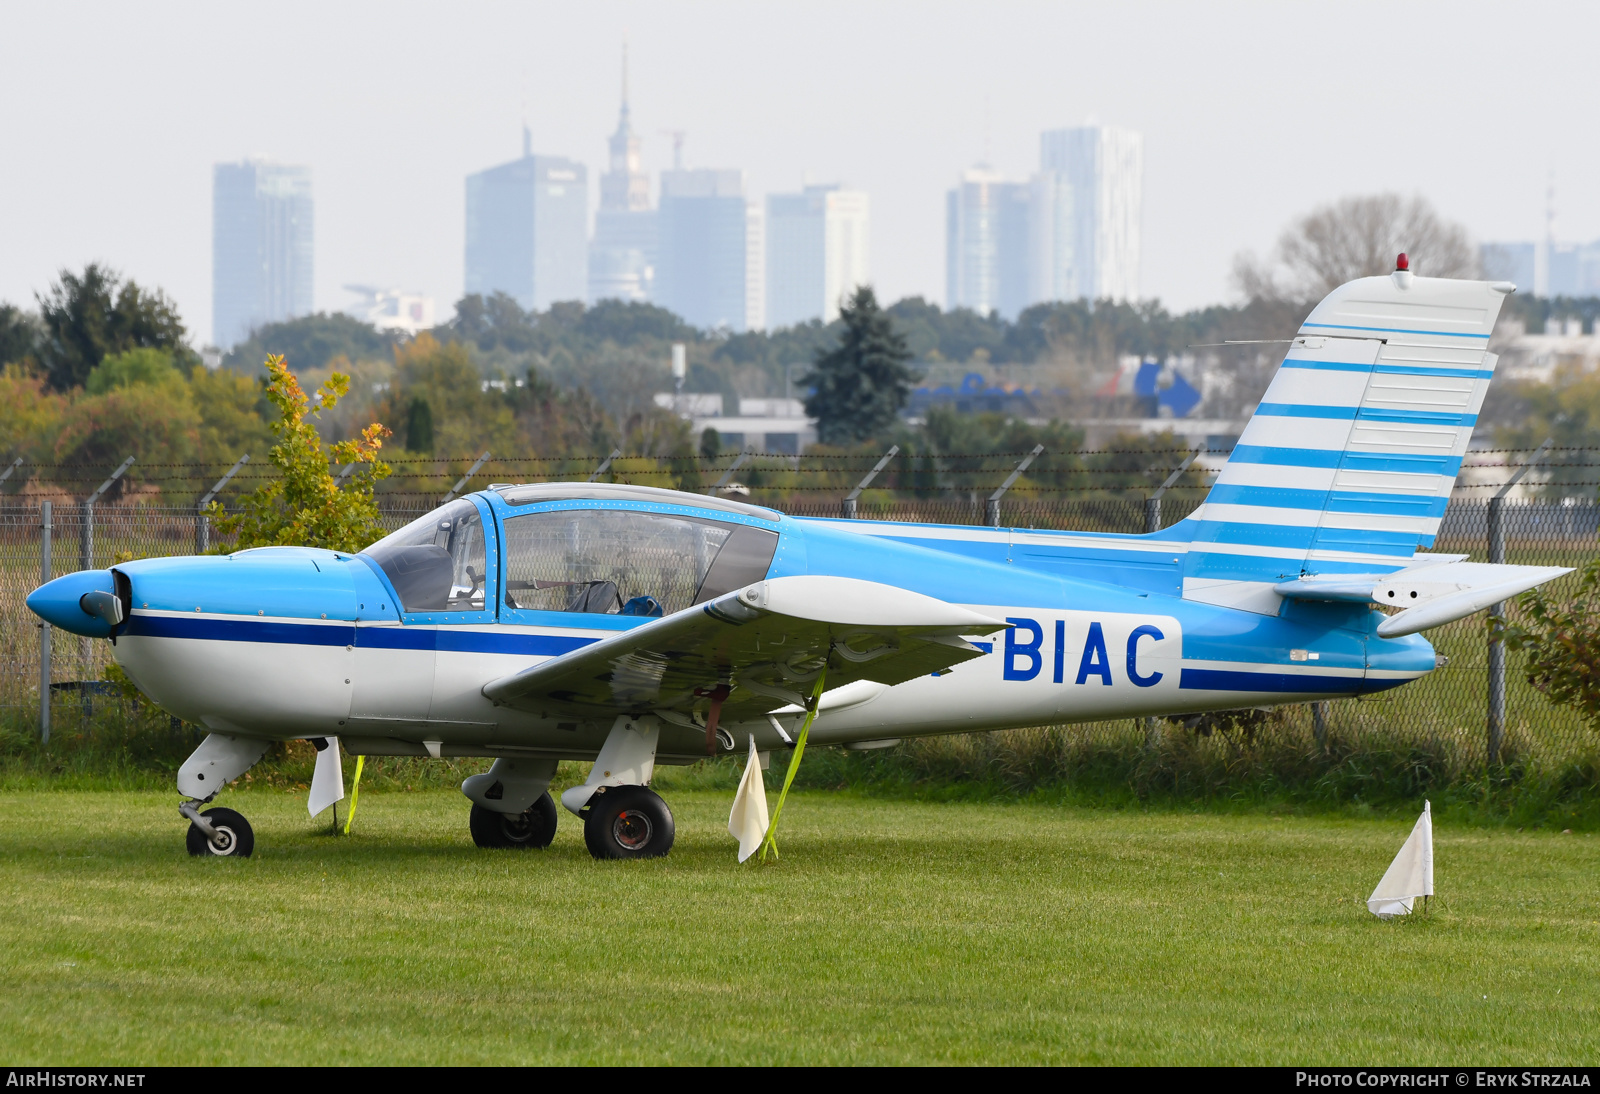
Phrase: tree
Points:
(304, 506)
(19, 335)
(87, 318)
(311, 342)
(134, 368)
(419, 426)
(1561, 639)
(859, 386)
(1356, 237)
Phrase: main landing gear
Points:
(534, 828)
(627, 822)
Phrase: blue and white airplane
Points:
(634, 626)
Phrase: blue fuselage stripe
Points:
(1278, 683)
(510, 640)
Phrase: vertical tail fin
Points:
(1348, 462)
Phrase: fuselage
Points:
(296, 642)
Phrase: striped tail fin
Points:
(1348, 462)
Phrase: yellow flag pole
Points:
(355, 795)
(771, 842)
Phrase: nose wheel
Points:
(627, 822)
(230, 836)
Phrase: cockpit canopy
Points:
(437, 562)
(591, 560)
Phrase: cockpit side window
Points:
(437, 563)
(617, 562)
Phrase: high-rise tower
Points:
(526, 222)
(1087, 214)
(816, 253)
(261, 247)
(622, 256)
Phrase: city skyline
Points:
(392, 119)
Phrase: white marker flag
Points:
(327, 783)
(747, 821)
(1410, 874)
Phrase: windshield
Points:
(436, 563)
(628, 562)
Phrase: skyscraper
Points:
(1087, 208)
(622, 256)
(708, 249)
(987, 244)
(261, 247)
(816, 253)
(527, 229)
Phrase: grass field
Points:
(890, 932)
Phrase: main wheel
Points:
(535, 828)
(627, 822)
(234, 837)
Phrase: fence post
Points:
(1152, 504)
(744, 454)
(1497, 649)
(1496, 728)
(991, 508)
(483, 459)
(45, 574)
(847, 507)
(202, 524)
(605, 463)
(1319, 724)
(86, 543)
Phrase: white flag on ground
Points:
(747, 821)
(327, 783)
(1410, 874)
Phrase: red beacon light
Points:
(1401, 262)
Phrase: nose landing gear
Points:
(218, 833)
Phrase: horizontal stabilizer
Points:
(1430, 594)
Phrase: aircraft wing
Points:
(767, 642)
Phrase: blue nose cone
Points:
(60, 602)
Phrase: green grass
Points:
(890, 932)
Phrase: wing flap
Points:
(768, 642)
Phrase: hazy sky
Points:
(111, 116)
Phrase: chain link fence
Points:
(1442, 717)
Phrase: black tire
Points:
(627, 822)
(238, 841)
(535, 828)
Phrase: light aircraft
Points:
(633, 626)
